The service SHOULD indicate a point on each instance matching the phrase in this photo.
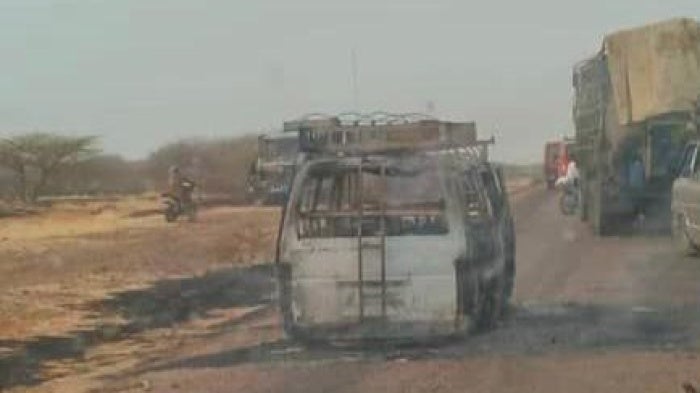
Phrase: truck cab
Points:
(270, 175)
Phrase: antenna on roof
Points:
(353, 68)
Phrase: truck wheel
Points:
(680, 236)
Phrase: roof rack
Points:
(380, 132)
(320, 120)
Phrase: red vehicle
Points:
(556, 159)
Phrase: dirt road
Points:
(615, 314)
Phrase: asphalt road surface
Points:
(589, 314)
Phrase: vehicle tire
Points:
(192, 213)
(567, 204)
(492, 300)
(170, 214)
(684, 244)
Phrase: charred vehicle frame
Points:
(394, 231)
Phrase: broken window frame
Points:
(340, 218)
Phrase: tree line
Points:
(37, 165)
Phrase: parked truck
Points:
(556, 160)
(271, 172)
(633, 102)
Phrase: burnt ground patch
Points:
(528, 329)
(163, 304)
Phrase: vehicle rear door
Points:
(551, 161)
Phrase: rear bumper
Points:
(628, 201)
(381, 330)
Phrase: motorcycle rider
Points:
(176, 185)
(571, 178)
(568, 184)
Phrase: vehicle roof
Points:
(400, 163)
(379, 132)
(275, 137)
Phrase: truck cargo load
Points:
(634, 101)
(654, 69)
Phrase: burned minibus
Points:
(394, 231)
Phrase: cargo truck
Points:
(271, 172)
(633, 102)
(556, 160)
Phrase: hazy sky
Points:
(139, 73)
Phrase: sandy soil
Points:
(616, 314)
(54, 264)
(144, 306)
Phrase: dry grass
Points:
(75, 218)
(52, 262)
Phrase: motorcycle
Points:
(569, 198)
(175, 207)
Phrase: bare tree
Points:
(42, 155)
(218, 166)
(12, 158)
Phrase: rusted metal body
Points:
(388, 239)
(634, 101)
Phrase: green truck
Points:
(634, 101)
(271, 173)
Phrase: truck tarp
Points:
(654, 69)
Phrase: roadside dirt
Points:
(614, 314)
(575, 373)
(145, 306)
(59, 291)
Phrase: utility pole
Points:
(353, 66)
(430, 108)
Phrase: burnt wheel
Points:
(492, 303)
